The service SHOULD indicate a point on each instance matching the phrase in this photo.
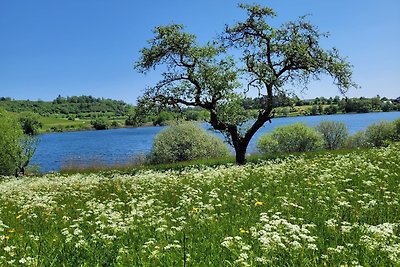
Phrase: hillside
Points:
(80, 106)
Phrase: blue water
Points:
(122, 145)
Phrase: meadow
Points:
(331, 209)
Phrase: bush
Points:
(185, 142)
(396, 124)
(133, 120)
(331, 109)
(9, 138)
(292, 138)
(163, 117)
(16, 149)
(30, 123)
(380, 134)
(358, 140)
(334, 134)
(100, 124)
(115, 124)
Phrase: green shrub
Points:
(292, 138)
(358, 140)
(334, 134)
(163, 118)
(184, 142)
(396, 124)
(100, 124)
(381, 133)
(9, 138)
(30, 123)
(115, 124)
(16, 149)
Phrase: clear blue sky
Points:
(77, 47)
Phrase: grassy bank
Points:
(330, 209)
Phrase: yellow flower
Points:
(259, 203)
(7, 237)
(244, 231)
(195, 209)
(12, 230)
(19, 216)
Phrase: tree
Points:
(26, 148)
(30, 123)
(334, 134)
(100, 123)
(208, 76)
(16, 149)
(9, 140)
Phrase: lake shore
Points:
(123, 144)
(166, 123)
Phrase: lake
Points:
(122, 145)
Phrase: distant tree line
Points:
(78, 106)
(346, 105)
(103, 113)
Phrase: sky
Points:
(74, 47)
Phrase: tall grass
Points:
(332, 209)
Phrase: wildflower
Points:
(244, 231)
(12, 230)
(259, 203)
(19, 216)
(195, 210)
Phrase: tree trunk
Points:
(241, 154)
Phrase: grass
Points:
(61, 124)
(321, 209)
(141, 163)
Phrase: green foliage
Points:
(185, 142)
(397, 128)
(331, 109)
(334, 134)
(163, 118)
(292, 138)
(10, 134)
(100, 123)
(68, 105)
(26, 148)
(381, 133)
(358, 140)
(115, 124)
(313, 110)
(207, 76)
(133, 119)
(30, 123)
(356, 105)
(16, 149)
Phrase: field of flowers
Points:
(330, 210)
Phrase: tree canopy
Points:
(210, 76)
